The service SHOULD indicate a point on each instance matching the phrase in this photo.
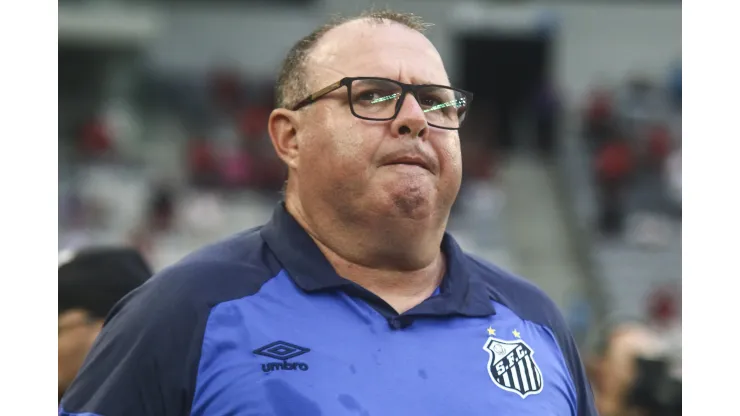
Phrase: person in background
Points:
(598, 117)
(91, 282)
(659, 146)
(202, 163)
(161, 207)
(95, 139)
(664, 312)
(614, 164)
(613, 367)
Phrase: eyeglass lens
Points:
(377, 99)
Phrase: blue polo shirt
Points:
(261, 324)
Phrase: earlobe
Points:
(282, 127)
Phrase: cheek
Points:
(340, 147)
(355, 141)
(450, 159)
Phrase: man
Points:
(351, 299)
(90, 283)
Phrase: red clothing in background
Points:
(614, 161)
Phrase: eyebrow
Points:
(414, 81)
(417, 81)
(427, 82)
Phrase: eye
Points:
(429, 100)
(435, 100)
(368, 96)
(376, 96)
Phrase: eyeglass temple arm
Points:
(318, 94)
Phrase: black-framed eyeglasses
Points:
(380, 99)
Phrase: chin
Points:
(412, 204)
(414, 198)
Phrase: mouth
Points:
(409, 161)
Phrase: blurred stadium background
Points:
(572, 152)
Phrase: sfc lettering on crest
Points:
(512, 367)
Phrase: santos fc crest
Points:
(512, 367)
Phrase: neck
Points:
(401, 289)
(403, 268)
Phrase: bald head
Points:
(345, 51)
(293, 81)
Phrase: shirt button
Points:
(395, 323)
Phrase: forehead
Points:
(365, 48)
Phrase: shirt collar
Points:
(462, 292)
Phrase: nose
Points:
(410, 120)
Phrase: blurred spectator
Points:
(226, 88)
(237, 168)
(201, 164)
(639, 175)
(253, 122)
(664, 311)
(648, 192)
(598, 117)
(614, 368)
(95, 139)
(659, 145)
(614, 164)
(161, 208)
(91, 282)
(664, 307)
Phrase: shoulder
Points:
(181, 297)
(228, 269)
(521, 296)
(530, 303)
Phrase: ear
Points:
(282, 127)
